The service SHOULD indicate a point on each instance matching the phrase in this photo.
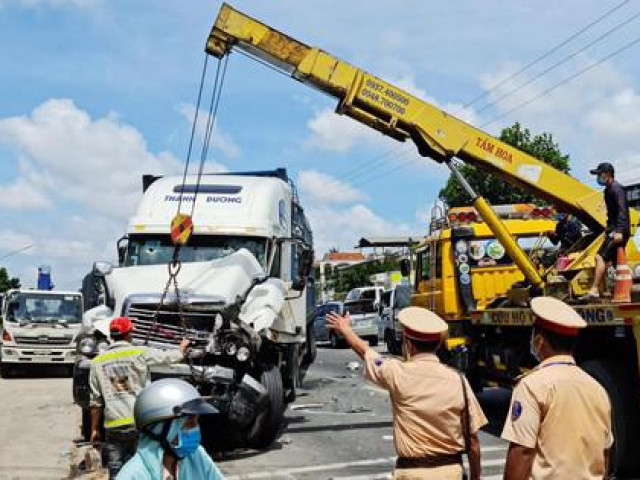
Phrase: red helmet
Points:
(121, 325)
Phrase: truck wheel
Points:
(623, 395)
(6, 371)
(312, 348)
(267, 425)
(336, 342)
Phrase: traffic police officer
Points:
(435, 413)
(559, 424)
(116, 378)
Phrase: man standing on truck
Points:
(116, 378)
(560, 419)
(435, 413)
(617, 230)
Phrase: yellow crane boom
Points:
(396, 113)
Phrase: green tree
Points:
(7, 283)
(493, 187)
(358, 275)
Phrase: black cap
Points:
(604, 167)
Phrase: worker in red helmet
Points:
(116, 378)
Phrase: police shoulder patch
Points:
(378, 361)
(516, 410)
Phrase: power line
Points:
(545, 55)
(15, 252)
(560, 62)
(563, 82)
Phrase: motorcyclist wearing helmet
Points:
(166, 415)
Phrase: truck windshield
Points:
(158, 249)
(41, 308)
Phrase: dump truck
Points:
(488, 312)
(244, 297)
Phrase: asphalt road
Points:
(339, 428)
(38, 422)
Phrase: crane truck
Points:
(487, 307)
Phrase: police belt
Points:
(431, 461)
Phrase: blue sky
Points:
(94, 93)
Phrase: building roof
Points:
(343, 257)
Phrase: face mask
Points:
(601, 181)
(533, 349)
(188, 441)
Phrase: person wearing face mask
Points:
(618, 228)
(436, 416)
(166, 415)
(559, 424)
(567, 232)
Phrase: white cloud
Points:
(342, 228)
(67, 155)
(69, 161)
(219, 139)
(338, 133)
(338, 215)
(319, 187)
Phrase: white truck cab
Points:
(244, 287)
(40, 328)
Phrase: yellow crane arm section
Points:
(400, 115)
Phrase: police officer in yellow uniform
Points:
(435, 413)
(559, 424)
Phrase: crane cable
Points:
(182, 224)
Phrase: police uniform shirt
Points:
(119, 374)
(427, 402)
(565, 415)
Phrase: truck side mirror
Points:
(122, 245)
(405, 267)
(305, 263)
(101, 269)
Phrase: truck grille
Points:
(168, 329)
(43, 340)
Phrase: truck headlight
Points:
(231, 349)
(86, 345)
(243, 354)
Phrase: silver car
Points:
(364, 321)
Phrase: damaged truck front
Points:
(244, 297)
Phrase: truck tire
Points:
(392, 344)
(623, 395)
(312, 348)
(267, 425)
(6, 371)
(336, 342)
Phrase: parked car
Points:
(364, 321)
(365, 293)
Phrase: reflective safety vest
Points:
(118, 375)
